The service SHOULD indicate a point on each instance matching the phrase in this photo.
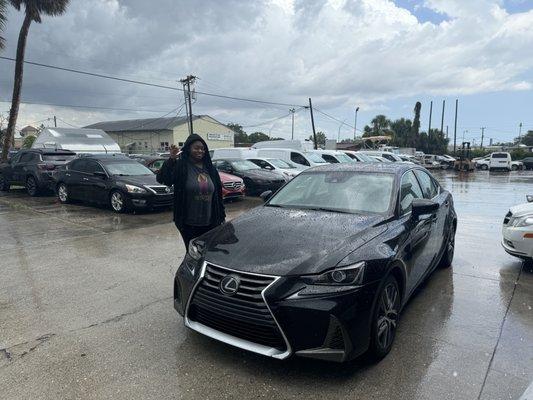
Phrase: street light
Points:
(355, 124)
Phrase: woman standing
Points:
(198, 205)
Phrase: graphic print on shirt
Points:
(203, 186)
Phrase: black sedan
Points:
(324, 267)
(117, 181)
(255, 179)
(528, 162)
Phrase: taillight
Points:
(47, 167)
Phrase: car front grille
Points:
(507, 218)
(233, 185)
(160, 189)
(244, 314)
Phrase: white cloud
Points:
(338, 52)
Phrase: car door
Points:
(19, 174)
(417, 250)
(432, 191)
(95, 186)
(74, 175)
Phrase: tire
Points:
(32, 188)
(117, 201)
(63, 193)
(385, 319)
(4, 185)
(514, 168)
(447, 255)
(484, 167)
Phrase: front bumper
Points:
(516, 243)
(142, 201)
(331, 324)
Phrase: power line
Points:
(81, 106)
(150, 84)
(335, 119)
(273, 120)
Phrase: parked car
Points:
(517, 230)
(304, 159)
(153, 163)
(446, 161)
(35, 169)
(255, 179)
(241, 153)
(528, 162)
(117, 181)
(485, 163)
(286, 168)
(358, 157)
(233, 187)
(380, 159)
(410, 158)
(500, 160)
(333, 156)
(385, 154)
(324, 267)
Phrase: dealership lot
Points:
(86, 312)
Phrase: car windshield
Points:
(364, 157)
(127, 169)
(338, 191)
(343, 158)
(276, 162)
(314, 157)
(58, 157)
(244, 165)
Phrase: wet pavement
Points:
(86, 312)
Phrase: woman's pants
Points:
(189, 232)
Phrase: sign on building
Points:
(220, 136)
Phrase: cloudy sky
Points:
(379, 55)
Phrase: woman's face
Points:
(197, 151)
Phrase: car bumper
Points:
(232, 194)
(518, 241)
(329, 325)
(143, 201)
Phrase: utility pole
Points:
(313, 124)
(292, 110)
(520, 133)
(442, 119)
(55, 122)
(482, 136)
(355, 124)
(446, 132)
(455, 128)
(430, 113)
(186, 82)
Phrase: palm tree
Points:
(33, 11)
(3, 18)
(380, 124)
(416, 125)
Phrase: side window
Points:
(80, 166)
(388, 157)
(329, 159)
(428, 185)
(299, 159)
(26, 157)
(410, 190)
(93, 166)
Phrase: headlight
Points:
(351, 275)
(195, 250)
(521, 221)
(135, 189)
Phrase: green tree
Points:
(240, 135)
(3, 19)
(28, 141)
(320, 138)
(33, 11)
(258, 137)
(401, 129)
(527, 139)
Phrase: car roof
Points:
(47, 151)
(391, 168)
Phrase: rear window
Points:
(58, 157)
(500, 155)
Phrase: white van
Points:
(500, 160)
(333, 156)
(233, 152)
(303, 159)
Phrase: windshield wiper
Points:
(275, 205)
(327, 209)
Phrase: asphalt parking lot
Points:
(86, 313)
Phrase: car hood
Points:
(275, 241)
(522, 209)
(138, 180)
(225, 177)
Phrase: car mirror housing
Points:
(266, 195)
(423, 207)
(100, 174)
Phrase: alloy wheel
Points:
(388, 315)
(117, 201)
(62, 193)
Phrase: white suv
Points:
(500, 161)
(517, 230)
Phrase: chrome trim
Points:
(150, 188)
(232, 340)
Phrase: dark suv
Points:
(115, 180)
(36, 169)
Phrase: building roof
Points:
(152, 124)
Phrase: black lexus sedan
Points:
(116, 180)
(256, 179)
(324, 267)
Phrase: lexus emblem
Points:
(229, 285)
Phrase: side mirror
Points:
(100, 174)
(423, 207)
(529, 198)
(266, 195)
